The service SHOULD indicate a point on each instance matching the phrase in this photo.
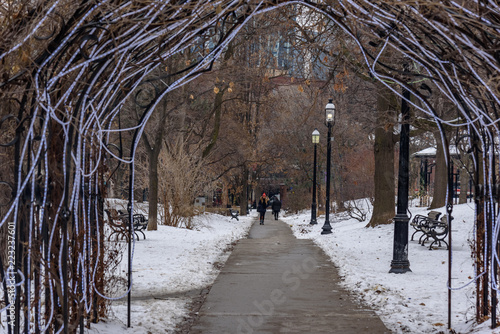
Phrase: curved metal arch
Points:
(16, 137)
(12, 192)
(53, 31)
(140, 56)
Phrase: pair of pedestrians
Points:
(264, 203)
(276, 283)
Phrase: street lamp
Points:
(315, 140)
(330, 119)
(400, 263)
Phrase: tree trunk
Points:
(153, 190)
(464, 182)
(217, 111)
(441, 176)
(244, 193)
(384, 203)
(153, 151)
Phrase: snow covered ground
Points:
(415, 302)
(168, 263)
(173, 260)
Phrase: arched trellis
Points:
(71, 67)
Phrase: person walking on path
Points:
(276, 206)
(276, 283)
(262, 206)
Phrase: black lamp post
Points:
(315, 140)
(330, 119)
(400, 263)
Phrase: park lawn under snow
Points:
(174, 260)
(168, 263)
(414, 302)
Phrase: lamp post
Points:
(400, 263)
(315, 140)
(330, 119)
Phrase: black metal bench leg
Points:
(438, 241)
(423, 238)
(109, 238)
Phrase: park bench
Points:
(234, 214)
(431, 227)
(118, 222)
(437, 230)
(420, 221)
(140, 224)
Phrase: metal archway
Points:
(71, 67)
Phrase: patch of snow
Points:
(176, 260)
(171, 261)
(414, 302)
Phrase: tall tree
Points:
(441, 176)
(153, 144)
(383, 206)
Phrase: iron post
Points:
(315, 140)
(400, 263)
(330, 117)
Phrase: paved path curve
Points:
(275, 283)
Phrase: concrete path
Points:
(275, 283)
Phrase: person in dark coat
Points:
(262, 206)
(276, 206)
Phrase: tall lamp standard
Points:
(330, 119)
(315, 140)
(400, 263)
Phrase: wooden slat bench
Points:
(118, 221)
(234, 214)
(437, 230)
(421, 221)
(140, 224)
(431, 227)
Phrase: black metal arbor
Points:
(67, 68)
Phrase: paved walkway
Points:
(275, 283)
